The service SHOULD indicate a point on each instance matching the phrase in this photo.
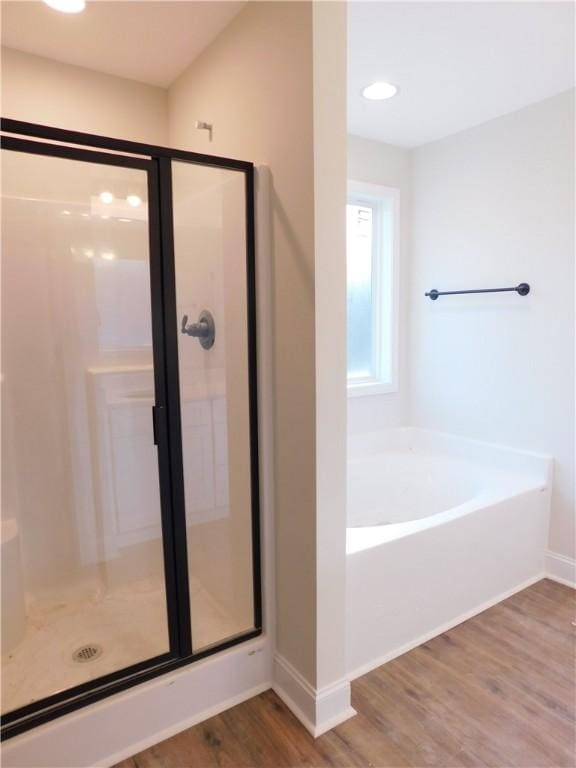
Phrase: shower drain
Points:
(87, 653)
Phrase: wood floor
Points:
(497, 690)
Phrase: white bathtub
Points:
(439, 528)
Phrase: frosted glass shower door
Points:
(218, 446)
(84, 593)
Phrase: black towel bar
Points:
(523, 290)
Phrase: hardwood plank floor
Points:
(498, 690)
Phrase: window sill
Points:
(371, 388)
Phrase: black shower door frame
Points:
(157, 163)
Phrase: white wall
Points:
(251, 107)
(494, 206)
(40, 90)
(330, 281)
(389, 166)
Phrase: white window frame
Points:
(385, 203)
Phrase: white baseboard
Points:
(561, 569)
(374, 663)
(318, 710)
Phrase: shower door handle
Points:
(155, 415)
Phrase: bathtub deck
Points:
(498, 690)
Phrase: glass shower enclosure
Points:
(130, 526)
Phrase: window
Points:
(372, 288)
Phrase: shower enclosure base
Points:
(43, 662)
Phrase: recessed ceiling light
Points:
(66, 213)
(89, 253)
(379, 91)
(126, 221)
(107, 197)
(67, 6)
(108, 255)
(134, 201)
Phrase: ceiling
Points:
(152, 42)
(456, 64)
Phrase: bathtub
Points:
(439, 528)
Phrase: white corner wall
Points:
(378, 163)
(332, 685)
(494, 206)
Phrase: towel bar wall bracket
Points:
(523, 289)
